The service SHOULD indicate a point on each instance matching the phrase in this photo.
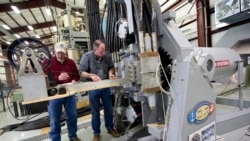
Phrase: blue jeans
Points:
(95, 98)
(55, 112)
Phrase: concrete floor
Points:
(241, 134)
(225, 111)
(85, 131)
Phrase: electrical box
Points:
(232, 11)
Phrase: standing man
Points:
(95, 66)
(63, 70)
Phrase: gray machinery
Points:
(72, 31)
(182, 110)
(185, 110)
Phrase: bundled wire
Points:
(143, 16)
(94, 23)
(115, 11)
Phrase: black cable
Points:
(135, 19)
(94, 20)
(41, 122)
(8, 106)
(140, 16)
(112, 24)
(44, 121)
(107, 36)
(115, 11)
(102, 17)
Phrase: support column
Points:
(203, 23)
(9, 71)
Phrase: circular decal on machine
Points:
(200, 113)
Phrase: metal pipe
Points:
(240, 81)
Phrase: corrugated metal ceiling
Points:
(32, 12)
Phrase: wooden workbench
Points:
(75, 88)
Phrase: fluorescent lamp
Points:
(37, 36)
(8, 42)
(167, 5)
(15, 9)
(26, 42)
(54, 28)
(18, 36)
(6, 26)
(30, 27)
(161, 1)
(48, 11)
(77, 12)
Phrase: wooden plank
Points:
(88, 117)
(149, 54)
(3, 58)
(156, 125)
(45, 130)
(82, 104)
(87, 86)
(72, 89)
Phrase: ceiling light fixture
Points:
(30, 27)
(15, 9)
(18, 36)
(7, 42)
(6, 26)
(26, 42)
(54, 28)
(48, 11)
(37, 36)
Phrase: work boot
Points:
(96, 138)
(113, 132)
(75, 139)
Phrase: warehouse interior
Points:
(182, 67)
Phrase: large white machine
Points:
(165, 83)
(185, 108)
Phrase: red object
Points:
(222, 63)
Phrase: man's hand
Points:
(63, 76)
(95, 78)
